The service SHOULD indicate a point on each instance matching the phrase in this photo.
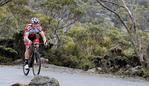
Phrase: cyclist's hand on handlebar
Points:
(30, 42)
(48, 44)
(45, 44)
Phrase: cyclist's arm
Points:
(26, 39)
(26, 33)
(43, 35)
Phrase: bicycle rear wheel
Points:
(36, 64)
(25, 71)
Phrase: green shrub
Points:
(100, 51)
(146, 73)
(8, 52)
(5, 60)
(106, 42)
(85, 62)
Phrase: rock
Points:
(43, 81)
(18, 84)
(135, 69)
(94, 70)
(99, 68)
(18, 61)
(43, 60)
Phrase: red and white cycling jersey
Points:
(32, 31)
(32, 34)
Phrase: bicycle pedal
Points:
(26, 67)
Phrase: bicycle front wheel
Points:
(25, 71)
(36, 64)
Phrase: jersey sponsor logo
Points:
(33, 30)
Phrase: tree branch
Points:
(130, 15)
(99, 1)
(3, 2)
(112, 3)
(132, 31)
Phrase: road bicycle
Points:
(34, 61)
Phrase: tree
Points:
(3, 2)
(129, 23)
(62, 14)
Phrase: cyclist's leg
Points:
(27, 54)
(27, 45)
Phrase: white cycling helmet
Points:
(35, 20)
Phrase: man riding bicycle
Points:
(30, 36)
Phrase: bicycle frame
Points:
(34, 47)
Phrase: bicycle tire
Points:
(25, 71)
(36, 63)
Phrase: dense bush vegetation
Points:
(85, 40)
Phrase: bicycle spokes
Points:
(25, 71)
(36, 64)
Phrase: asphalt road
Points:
(66, 76)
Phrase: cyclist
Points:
(30, 36)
